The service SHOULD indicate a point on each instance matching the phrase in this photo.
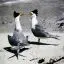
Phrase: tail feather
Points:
(55, 37)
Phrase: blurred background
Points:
(49, 12)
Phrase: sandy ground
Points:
(35, 51)
(50, 11)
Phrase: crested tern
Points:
(37, 29)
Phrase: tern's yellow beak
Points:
(30, 13)
(21, 14)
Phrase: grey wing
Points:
(42, 31)
(40, 28)
(19, 36)
(12, 41)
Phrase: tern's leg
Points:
(27, 38)
(39, 40)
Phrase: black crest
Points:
(35, 11)
(15, 14)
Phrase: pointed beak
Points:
(21, 14)
(30, 13)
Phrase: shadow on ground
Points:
(15, 51)
(40, 43)
(23, 49)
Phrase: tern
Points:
(37, 29)
(18, 41)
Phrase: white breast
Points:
(17, 23)
(34, 22)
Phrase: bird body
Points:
(18, 40)
(40, 33)
(18, 36)
(37, 29)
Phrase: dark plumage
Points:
(35, 12)
(15, 14)
(38, 32)
(14, 41)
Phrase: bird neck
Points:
(17, 23)
(34, 21)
